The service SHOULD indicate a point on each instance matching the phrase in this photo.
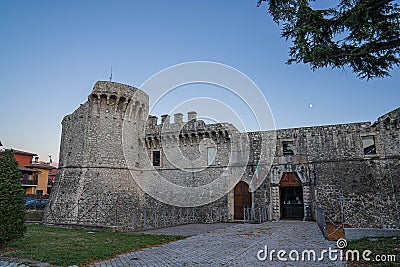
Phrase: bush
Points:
(12, 211)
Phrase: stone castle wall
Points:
(110, 139)
(93, 175)
(341, 168)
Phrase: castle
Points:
(113, 157)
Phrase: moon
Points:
(310, 105)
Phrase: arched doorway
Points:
(291, 197)
(242, 200)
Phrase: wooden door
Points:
(242, 199)
(289, 179)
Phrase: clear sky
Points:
(52, 53)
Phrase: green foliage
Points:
(361, 34)
(65, 247)
(383, 246)
(12, 211)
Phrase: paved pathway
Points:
(232, 245)
(190, 229)
(225, 245)
(13, 262)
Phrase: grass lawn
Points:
(379, 246)
(63, 247)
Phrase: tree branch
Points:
(377, 48)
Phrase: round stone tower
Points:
(93, 178)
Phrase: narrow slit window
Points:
(235, 157)
(369, 145)
(156, 158)
(211, 153)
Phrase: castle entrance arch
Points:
(291, 197)
(242, 199)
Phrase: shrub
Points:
(12, 211)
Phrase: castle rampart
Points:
(111, 138)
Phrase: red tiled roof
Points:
(20, 152)
(41, 166)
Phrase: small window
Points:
(156, 158)
(369, 145)
(235, 157)
(288, 148)
(211, 153)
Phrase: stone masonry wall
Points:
(93, 176)
(110, 139)
(342, 169)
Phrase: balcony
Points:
(29, 182)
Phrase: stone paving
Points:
(232, 245)
(226, 245)
(13, 262)
(189, 229)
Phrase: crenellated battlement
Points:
(184, 133)
(113, 88)
(111, 99)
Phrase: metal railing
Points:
(320, 219)
(378, 212)
(136, 219)
(362, 212)
(88, 214)
(153, 218)
(25, 181)
(256, 215)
